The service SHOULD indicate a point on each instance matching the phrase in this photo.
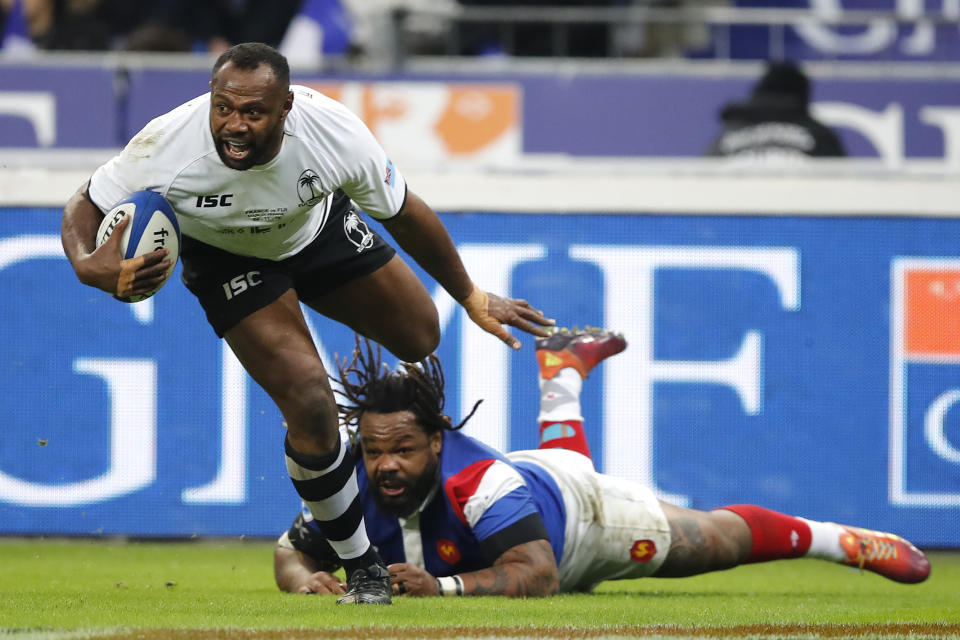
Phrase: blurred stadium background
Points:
(794, 326)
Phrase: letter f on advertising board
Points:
(630, 306)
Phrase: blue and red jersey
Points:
(483, 505)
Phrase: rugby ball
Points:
(153, 225)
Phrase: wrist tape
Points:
(450, 586)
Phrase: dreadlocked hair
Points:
(367, 384)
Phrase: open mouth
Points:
(236, 150)
(392, 490)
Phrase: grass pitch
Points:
(52, 589)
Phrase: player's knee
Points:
(419, 343)
(729, 541)
(726, 552)
(429, 341)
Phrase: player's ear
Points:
(436, 443)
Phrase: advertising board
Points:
(779, 360)
(503, 119)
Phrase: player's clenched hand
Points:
(411, 580)
(321, 582)
(106, 269)
(490, 312)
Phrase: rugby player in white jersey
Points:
(263, 177)
(455, 517)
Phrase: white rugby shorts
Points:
(616, 528)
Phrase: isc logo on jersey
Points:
(153, 226)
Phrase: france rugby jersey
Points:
(483, 505)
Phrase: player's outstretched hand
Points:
(323, 583)
(106, 269)
(410, 580)
(490, 312)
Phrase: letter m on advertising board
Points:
(925, 382)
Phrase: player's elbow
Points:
(534, 569)
(284, 561)
(544, 580)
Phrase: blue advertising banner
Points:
(57, 107)
(785, 361)
(910, 38)
(500, 119)
(628, 115)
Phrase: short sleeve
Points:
(133, 169)
(491, 497)
(374, 182)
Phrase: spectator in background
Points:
(80, 25)
(26, 24)
(583, 40)
(210, 26)
(668, 39)
(15, 31)
(775, 122)
(320, 28)
(160, 25)
(371, 27)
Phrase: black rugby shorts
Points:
(230, 287)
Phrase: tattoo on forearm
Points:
(526, 570)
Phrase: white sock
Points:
(560, 397)
(825, 540)
(328, 487)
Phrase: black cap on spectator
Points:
(784, 79)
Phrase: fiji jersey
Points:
(483, 505)
(269, 211)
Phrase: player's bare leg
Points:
(702, 541)
(389, 306)
(565, 359)
(741, 534)
(275, 347)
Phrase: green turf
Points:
(84, 584)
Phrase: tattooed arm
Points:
(524, 571)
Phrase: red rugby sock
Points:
(567, 434)
(775, 535)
